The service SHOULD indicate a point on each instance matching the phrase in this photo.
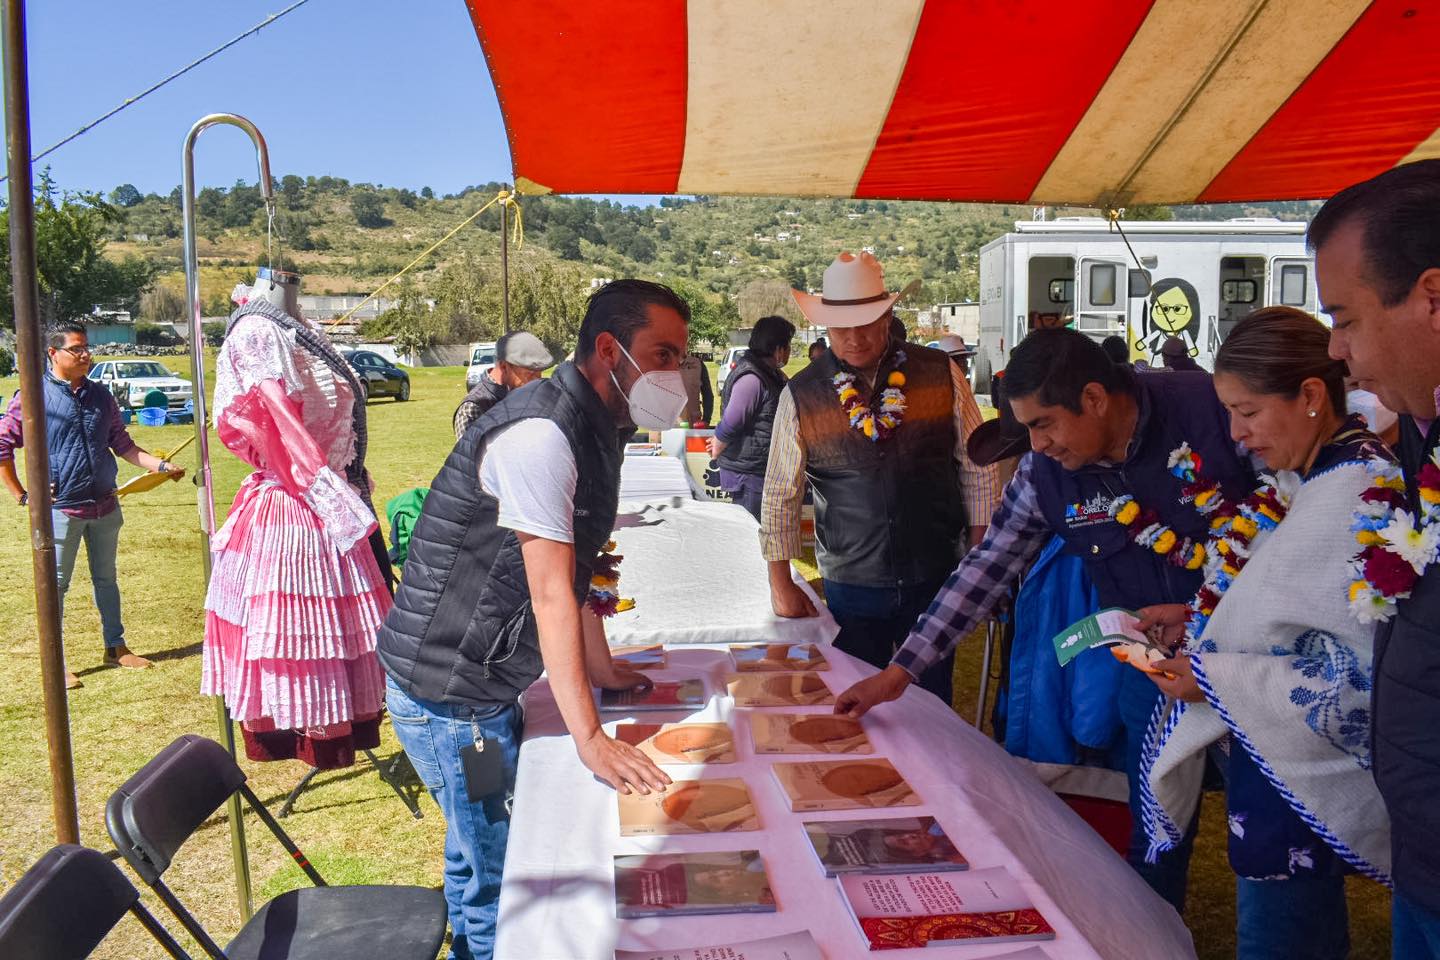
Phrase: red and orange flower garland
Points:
(604, 598)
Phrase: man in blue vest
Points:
(496, 581)
(1377, 264)
(1097, 432)
(83, 434)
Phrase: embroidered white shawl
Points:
(1286, 669)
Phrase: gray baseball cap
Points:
(523, 350)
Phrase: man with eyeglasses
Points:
(82, 431)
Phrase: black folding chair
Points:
(159, 808)
(65, 905)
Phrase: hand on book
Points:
(620, 765)
(622, 676)
(886, 685)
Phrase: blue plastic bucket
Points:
(152, 416)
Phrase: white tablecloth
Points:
(654, 478)
(697, 576)
(557, 901)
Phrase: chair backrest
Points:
(63, 906)
(154, 812)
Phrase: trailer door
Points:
(1291, 283)
(1102, 296)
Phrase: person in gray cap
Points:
(520, 358)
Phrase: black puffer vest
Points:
(462, 630)
(1406, 711)
(749, 451)
(1175, 408)
(887, 514)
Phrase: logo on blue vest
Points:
(1090, 512)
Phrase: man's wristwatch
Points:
(164, 466)
(25, 498)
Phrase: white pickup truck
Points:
(131, 380)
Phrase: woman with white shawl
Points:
(1273, 679)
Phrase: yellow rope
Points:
(504, 197)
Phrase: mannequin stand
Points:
(388, 772)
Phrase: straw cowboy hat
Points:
(852, 293)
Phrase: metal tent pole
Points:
(505, 260)
(206, 493)
(29, 348)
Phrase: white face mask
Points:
(655, 398)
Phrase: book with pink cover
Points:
(664, 695)
(773, 657)
(942, 909)
(689, 806)
(786, 946)
(680, 742)
(691, 884)
(843, 784)
(807, 733)
(779, 690)
(641, 656)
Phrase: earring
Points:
(1311, 413)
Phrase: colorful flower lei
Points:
(1395, 546)
(1233, 532)
(877, 424)
(1144, 527)
(604, 598)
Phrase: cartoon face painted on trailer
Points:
(1173, 311)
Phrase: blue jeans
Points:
(1416, 931)
(874, 622)
(1299, 916)
(1167, 876)
(475, 833)
(102, 540)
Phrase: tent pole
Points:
(504, 261)
(203, 479)
(30, 350)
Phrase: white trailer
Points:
(1194, 280)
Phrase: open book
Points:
(942, 909)
(1114, 628)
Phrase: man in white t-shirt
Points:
(499, 566)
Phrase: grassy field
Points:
(349, 823)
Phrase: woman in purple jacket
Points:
(741, 443)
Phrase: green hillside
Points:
(732, 257)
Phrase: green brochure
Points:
(1108, 628)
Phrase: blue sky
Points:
(371, 90)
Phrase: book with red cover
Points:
(691, 884)
(664, 695)
(680, 742)
(897, 911)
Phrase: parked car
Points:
(482, 358)
(378, 376)
(131, 380)
(727, 363)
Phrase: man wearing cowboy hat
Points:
(878, 428)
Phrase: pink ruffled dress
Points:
(296, 596)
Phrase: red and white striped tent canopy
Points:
(1091, 102)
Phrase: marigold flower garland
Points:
(1233, 532)
(877, 424)
(1144, 527)
(1396, 546)
(604, 598)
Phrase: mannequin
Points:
(296, 595)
